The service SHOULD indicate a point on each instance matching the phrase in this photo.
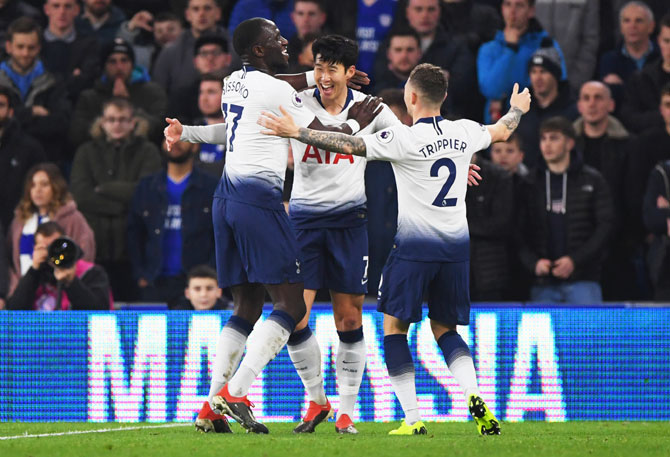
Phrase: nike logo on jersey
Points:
(324, 157)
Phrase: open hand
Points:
(278, 125)
(359, 79)
(473, 176)
(172, 132)
(521, 99)
(365, 110)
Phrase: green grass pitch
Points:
(536, 439)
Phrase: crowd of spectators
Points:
(575, 207)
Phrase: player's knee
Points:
(440, 328)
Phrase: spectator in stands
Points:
(278, 11)
(210, 157)
(45, 198)
(42, 107)
(105, 172)
(10, 10)
(636, 23)
(504, 60)
(174, 65)
(4, 271)
(640, 105)
(18, 153)
(568, 221)
(149, 35)
(656, 214)
(402, 55)
(605, 145)
(449, 53)
(170, 225)
(373, 21)
(490, 209)
(66, 53)
(202, 291)
(304, 59)
(211, 58)
(475, 22)
(100, 18)
(508, 155)
(576, 27)
(120, 79)
(551, 97)
(83, 286)
(309, 17)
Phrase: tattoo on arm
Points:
(512, 118)
(334, 142)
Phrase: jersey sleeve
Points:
(478, 134)
(283, 95)
(386, 144)
(385, 119)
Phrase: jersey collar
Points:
(429, 120)
(350, 98)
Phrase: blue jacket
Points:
(500, 65)
(146, 220)
(278, 12)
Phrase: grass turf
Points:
(593, 439)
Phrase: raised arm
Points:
(519, 105)
(301, 81)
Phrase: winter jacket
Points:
(149, 99)
(475, 22)
(48, 91)
(490, 220)
(278, 11)
(146, 222)
(18, 153)
(103, 180)
(642, 96)
(575, 25)
(616, 62)
(70, 219)
(589, 218)
(500, 65)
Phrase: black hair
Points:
(558, 124)
(167, 16)
(211, 77)
(430, 81)
(336, 49)
(201, 271)
(23, 24)
(318, 3)
(211, 39)
(9, 94)
(247, 35)
(49, 228)
(403, 32)
(393, 97)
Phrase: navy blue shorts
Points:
(445, 285)
(253, 244)
(335, 258)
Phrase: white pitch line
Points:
(102, 430)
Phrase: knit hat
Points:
(118, 45)
(549, 59)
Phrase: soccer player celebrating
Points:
(256, 249)
(431, 250)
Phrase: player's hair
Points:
(665, 90)
(60, 193)
(318, 3)
(558, 124)
(211, 39)
(9, 94)
(49, 228)
(664, 22)
(120, 103)
(201, 271)
(430, 81)
(166, 16)
(644, 6)
(23, 24)
(393, 97)
(336, 49)
(403, 31)
(247, 35)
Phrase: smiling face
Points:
(274, 47)
(331, 79)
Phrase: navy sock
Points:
(397, 356)
(284, 319)
(453, 347)
(352, 336)
(299, 336)
(241, 325)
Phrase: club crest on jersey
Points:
(297, 101)
(385, 136)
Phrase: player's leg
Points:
(449, 306)
(350, 365)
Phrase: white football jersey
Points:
(256, 163)
(430, 161)
(324, 182)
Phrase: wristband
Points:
(355, 126)
(309, 76)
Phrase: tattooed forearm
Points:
(334, 142)
(511, 119)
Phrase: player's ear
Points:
(350, 72)
(257, 50)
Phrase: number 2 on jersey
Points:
(440, 201)
(237, 111)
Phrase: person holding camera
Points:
(59, 279)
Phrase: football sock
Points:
(273, 334)
(306, 357)
(350, 368)
(400, 366)
(229, 350)
(459, 360)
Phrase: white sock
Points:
(463, 370)
(405, 389)
(229, 350)
(306, 358)
(271, 339)
(350, 368)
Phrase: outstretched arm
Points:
(210, 134)
(285, 127)
(300, 81)
(506, 125)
